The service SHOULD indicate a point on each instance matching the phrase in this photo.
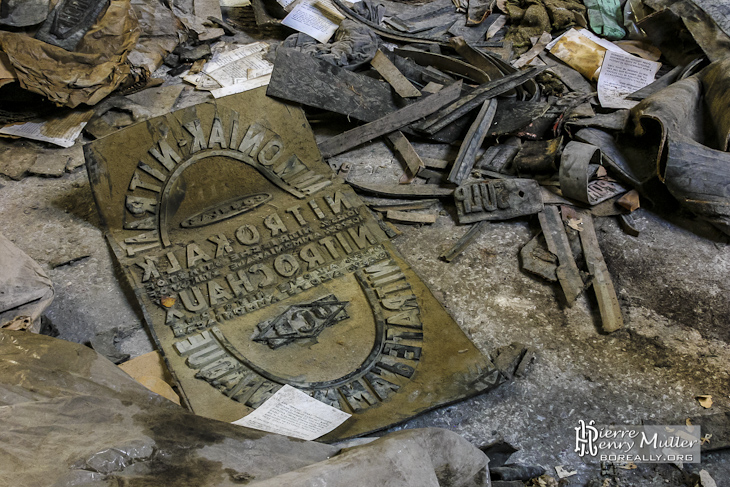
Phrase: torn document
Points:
(621, 75)
(235, 71)
(316, 18)
(293, 413)
(58, 130)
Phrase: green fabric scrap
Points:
(606, 18)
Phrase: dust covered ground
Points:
(671, 280)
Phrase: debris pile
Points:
(262, 271)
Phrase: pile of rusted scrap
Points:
(574, 128)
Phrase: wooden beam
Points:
(464, 162)
(395, 78)
(391, 122)
(557, 243)
(608, 306)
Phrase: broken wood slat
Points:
(608, 306)
(417, 205)
(411, 217)
(486, 91)
(300, 78)
(538, 260)
(433, 177)
(539, 46)
(464, 241)
(498, 157)
(401, 146)
(499, 199)
(557, 243)
(404, 190)
(391, 122)
(435, 163)
(395, 78)
(467, 155)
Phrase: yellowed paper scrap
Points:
(621, 75)
(293, 413)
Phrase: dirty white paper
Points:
(62, 130)
(234, 71)
(621, 75)
(241, 85)
(316, 18)
(293, 413)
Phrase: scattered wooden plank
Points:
(484, 92)
(416, 205)
(391, 122)
(395, 78)
(538, 260)
(557, 243)
(411, 216)
(405, 191)
(467, 155)
(602, 285)
(539, 46)
(499, 199)
(300, 78)
(464, 241)
(435, 163)
(403, 148)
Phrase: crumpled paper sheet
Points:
(97, 67)
(25, 289)
(71, 417)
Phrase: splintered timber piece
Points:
(602, 285)
(391, 122)
(416, 205)
(499, 199)
(411, 216)
(395, 78)
(464, 241)
(472, 142)
(538, 260)
(557, 243)
(404, 190)
(256, 267)
(400, 145)
(494, 88)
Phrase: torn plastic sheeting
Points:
(605, 17)
(84, 421)
(25, 289)
(94, 70)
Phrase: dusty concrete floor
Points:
(672, 283)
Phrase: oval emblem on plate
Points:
(226, 210)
